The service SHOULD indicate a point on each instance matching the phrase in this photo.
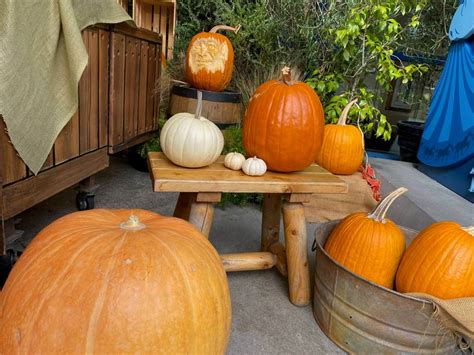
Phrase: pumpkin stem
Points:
(381, 210)
(286, 75)
(199, 105)
(345, 112)
(132, 224)
(224, 27)
(470, 230)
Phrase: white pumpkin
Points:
(254, 167)
(234, 161)
(191, 140)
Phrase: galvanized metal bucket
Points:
(362, 317)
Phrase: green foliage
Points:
(240, 199)
(152, 145)
(364, 43)
(233, 141)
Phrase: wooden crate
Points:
(158, 16)
(121, 58)
(134, 69)
(87, 130)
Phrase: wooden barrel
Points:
(223, 108)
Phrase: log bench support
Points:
(290, 260)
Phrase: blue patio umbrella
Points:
(448, 137)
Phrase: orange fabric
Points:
(368, 174)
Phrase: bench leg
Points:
(270, 220)
(183, 205)
(201, 215)
(296, 253)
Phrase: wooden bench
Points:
(200, 188)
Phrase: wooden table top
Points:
(168, 177)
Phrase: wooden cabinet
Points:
(118, 108)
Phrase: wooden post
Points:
(279, 251)
(270, 220)
(296, 253)
(248, 261)
(201, 215)
(183, 205)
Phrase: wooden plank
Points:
(94, 89)
(208, 197)
(217, 178)
(103, 87)
(137, 12)
(150, 101)
(84, 103)
(164, 29)
(130, 111)
(49, 161)
(13, 167)
(143, 93)
(117, 80)
(66, 145)
(156, 19)
(29, 192)
(156, 93)
(138, 33)
(132, 142)
(171, 31)
(147, 16)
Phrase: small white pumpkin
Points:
(254, 167)
(234, 161)
(191, 140)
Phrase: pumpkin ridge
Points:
(188, 287)
(442, 262)
(18, 277)
(33, 317)
(353, 234)
(99, 303)
(423, 264)
(268, 127)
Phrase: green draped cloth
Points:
(42, 57)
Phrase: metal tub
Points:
(362, 317)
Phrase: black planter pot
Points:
(409, 138)
(136, 161)
(378, 143)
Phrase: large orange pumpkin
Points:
(284, 124)
(210, 59)
(116, 281)
(369, 245)
(342, 151)
(439, 262)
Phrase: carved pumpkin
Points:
(210, 59)
(369, 245)
(284, 124)
(116, 281)
(191, 140)
(342, 151)
(254, 167)
(439, 262)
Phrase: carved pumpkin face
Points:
(208, 54)
(210, 60)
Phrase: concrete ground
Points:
(264, 321)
